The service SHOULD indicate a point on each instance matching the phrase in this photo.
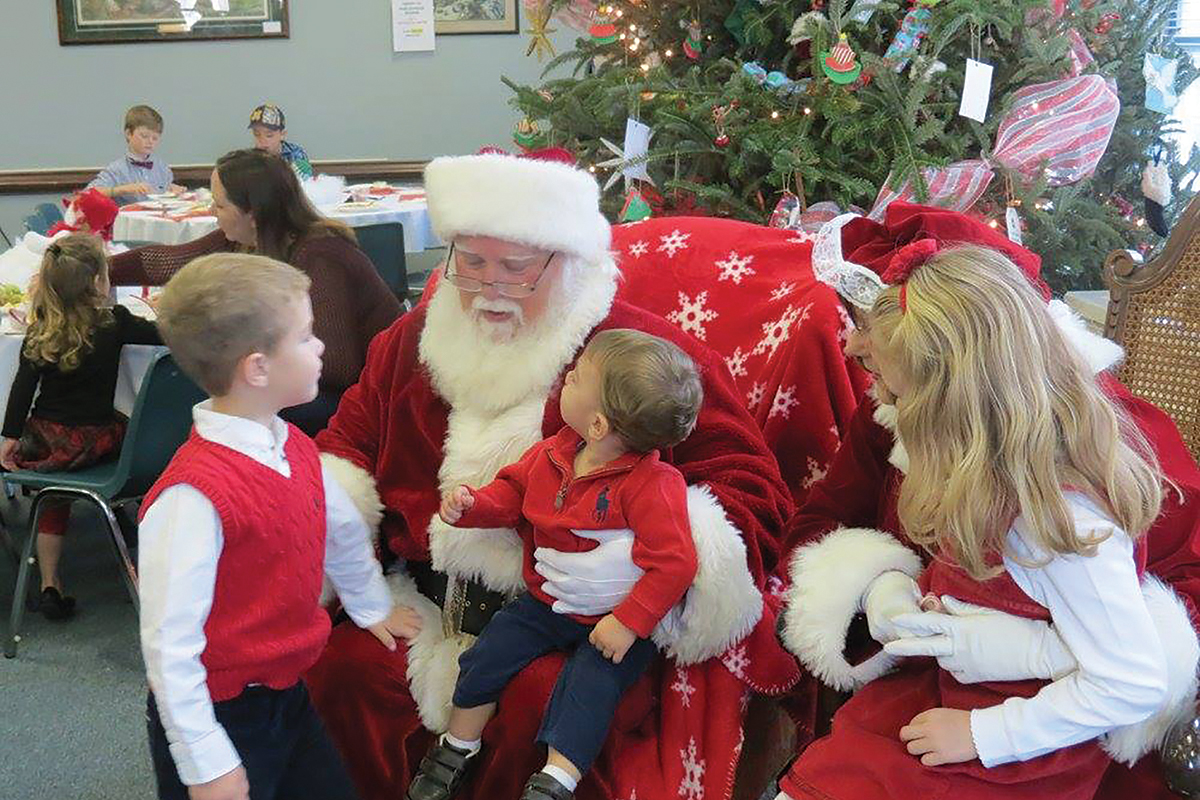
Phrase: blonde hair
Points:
(1003, 416)
(143, 117)
(67, 304)
(649, 388)
(221, 308)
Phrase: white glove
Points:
(593, 582)
(892, 594)
(976, 644)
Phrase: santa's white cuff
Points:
(828, 579)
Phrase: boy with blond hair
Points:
(629, 395)
(139, 172)
(234, 538)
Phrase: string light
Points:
(645, 67)
(774, 115)
(807, 110)
(632, 27)
(993, 224)
(592, 168)
(669, 53)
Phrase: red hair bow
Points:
(907, 259)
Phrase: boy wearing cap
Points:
(270, 134)
(138, 173)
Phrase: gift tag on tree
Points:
(977, 90)
(1012, 221)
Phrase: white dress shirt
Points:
(1097, 607)
(180, 541)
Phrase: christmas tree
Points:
(751, 101)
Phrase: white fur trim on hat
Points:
(828, 580)
(545, 204)
(1129, 743)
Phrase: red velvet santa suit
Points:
(419, 422)
(857, 502)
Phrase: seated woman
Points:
(261, 209)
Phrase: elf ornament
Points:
(840, 64)
(692, 44)
(719, 113)
(525, 133)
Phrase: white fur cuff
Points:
(1174, 625)
(723, 605)
(828, 579)
(360, 485)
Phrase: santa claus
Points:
(462, 386)
(852, 568)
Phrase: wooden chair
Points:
(1154, 313)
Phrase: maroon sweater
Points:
(351, 303)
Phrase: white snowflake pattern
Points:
(691, 314)
(803, 236)
(784, 400)
(782, 290)
(847, 324)
(639, 248)
(692, 785)
(674, 241)
(815, 473)
(735, 267)
(755, 396)
(736, 660)
(777, 332)
(737, 363)
(683, 686)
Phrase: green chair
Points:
(384, 245)
(160, 423)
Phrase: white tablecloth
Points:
(153, 226)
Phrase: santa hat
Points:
(97, 209)
(852, 253)
(539, 199)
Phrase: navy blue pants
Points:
(283, 745)
(588, 688)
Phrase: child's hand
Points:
(612, 638)
(141, 187)
(940, 736)
(233, 785)
(404, 622)
(454, 503)
(175, 188)
(8, 451)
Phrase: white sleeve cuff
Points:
(205, 759)
(990, 736)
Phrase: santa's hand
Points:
(8, 454)
(612, 638)
(455, 503)
(977, 644)
(889, 596)
(592, 582)
(404, 622)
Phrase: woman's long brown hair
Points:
(266, 187)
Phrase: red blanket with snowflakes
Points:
(748, 292)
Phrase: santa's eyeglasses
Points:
(459, 268)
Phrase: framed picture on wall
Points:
(475, 16)
(125, 21)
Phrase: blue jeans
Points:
(283, 745)
(588, 688)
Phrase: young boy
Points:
(628, 394)
(235, 537)
(270, 134)
(139, 172)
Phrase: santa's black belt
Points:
(470, 605)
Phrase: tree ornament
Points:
(525, 133)
(539, 42)
(636, 207)
(693, 45)
(913, 30)
(722, 140)
(840, 64)
(1156, 186)
(602, 30)
(1106, 22)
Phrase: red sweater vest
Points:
(266, 625)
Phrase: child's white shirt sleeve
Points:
(350, 561)
(179, 544)
(1097, 607)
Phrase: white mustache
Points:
(499, 305)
